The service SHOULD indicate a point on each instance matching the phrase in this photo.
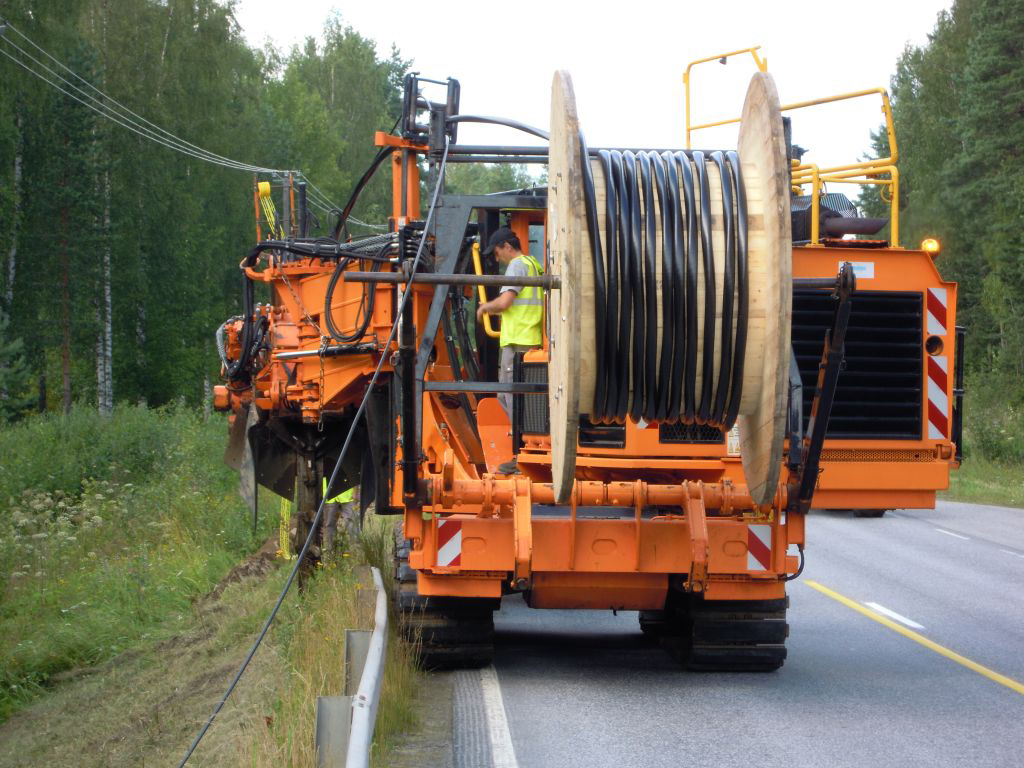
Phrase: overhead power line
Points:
(110, 108)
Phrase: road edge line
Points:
(503, 754)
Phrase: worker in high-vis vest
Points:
(347, 504)
(521, 308)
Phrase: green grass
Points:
(982, 481)
(109, 529)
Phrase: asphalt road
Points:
(584, 688)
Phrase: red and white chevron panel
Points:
(937, 312)
(938, 400)
(759, 547)
(449, 543)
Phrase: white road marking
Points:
(894, 616)
(954, 535)
(502, 753)
(1010, 552)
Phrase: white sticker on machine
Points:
(864, 270)
(733, 441)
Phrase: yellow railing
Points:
(868, 172)
(489, 328)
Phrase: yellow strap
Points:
(283, 544)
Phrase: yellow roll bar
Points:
(865, 172)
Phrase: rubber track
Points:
(451, 632)
(722, 636)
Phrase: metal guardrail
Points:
(345, 723)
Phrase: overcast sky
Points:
(627, 59)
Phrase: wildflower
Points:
(96, 519)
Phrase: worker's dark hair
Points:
(502, 235)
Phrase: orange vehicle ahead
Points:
(367, 359)
(895, 430)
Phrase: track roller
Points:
(450, 632)
(724, 635)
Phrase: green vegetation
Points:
(981, 481)
(119, 256)
(109, 530)
(124, 599)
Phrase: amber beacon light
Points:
(931, 245)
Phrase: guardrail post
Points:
(345, 724)
(333, 723)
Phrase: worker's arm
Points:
(495, 306)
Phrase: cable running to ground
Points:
(334, 473)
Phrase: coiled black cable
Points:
(635, 376)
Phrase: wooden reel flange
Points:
(572, 368)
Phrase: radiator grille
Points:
(879, 391)
(690, 433)
(601, 435)
(881, 454)
(535, 407)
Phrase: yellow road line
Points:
(1009, 682)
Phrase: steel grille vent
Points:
(879, 392)
(535, 407)
(601, 435)
(690, 433)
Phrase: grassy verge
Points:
(986, 482)
(313, 649)
(125, 609)
(110, 528)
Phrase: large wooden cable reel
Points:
(750, 389)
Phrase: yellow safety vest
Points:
(341, 498)
(521, 322)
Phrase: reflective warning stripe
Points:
(449, 543)
(938, 400)
(936, 311)
(759, 547)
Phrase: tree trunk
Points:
(65, 301)
(12, 255)
(104, 364)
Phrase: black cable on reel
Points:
(635, 376)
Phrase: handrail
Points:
(762, 65)
(488, 318)
(864, 172)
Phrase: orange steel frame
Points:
(682, 510)
(676, 512)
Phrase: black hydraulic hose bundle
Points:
(635, 377)
(238, 369)
(381, 156)
(365, 313)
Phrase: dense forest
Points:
(958, 104)
(119, 253)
